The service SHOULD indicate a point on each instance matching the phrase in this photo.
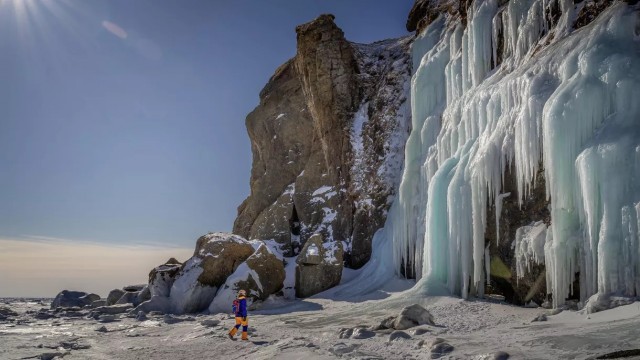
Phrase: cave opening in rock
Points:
(295, 227)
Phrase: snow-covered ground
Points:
(309, 329)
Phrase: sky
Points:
(122, 122)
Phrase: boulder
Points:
(319, 266)
(411, 316)
(107, 318)
(135, 297)
(217, 255)
(67, 298)
(399, 335)
(112, 310)
(161, 278)
(158, 304)
(98, 303)
(210, 322)
(261, 275)
(600, 302)
(188, 294)
(221, 254)
(114, 296)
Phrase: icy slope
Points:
(516, 89)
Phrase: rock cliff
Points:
(327, 140)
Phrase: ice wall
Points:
(568, 99)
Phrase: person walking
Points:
(240, 310)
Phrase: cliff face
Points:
(327, 140)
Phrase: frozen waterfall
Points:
(565, 99)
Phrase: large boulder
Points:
(157, 303)
(135, 297)
(217, 255)
(67, 298)
(114, 296)
(319, 266)
(261, 275)
(220, 255)
(188, 294)
(161, 278)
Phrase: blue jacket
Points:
(241, 311)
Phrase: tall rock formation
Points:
(327, 140)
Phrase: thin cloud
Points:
(115, 29)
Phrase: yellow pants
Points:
(245, 326)
(245, 323)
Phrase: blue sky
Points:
(122, 122)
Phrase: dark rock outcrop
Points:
(67, 299)
(319, 266)
(534, 208)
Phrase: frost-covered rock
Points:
(161, 278)
(217, 255)
(220, 254)
(188, 294)
(66, 299)
(160, 304)
(601, 302)
(319, 266)
(261, 275)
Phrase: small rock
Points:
(360, 333)
(532, 304)
(107, 318)
(440, 349)
(399, 335)
(342, 348)
(141, 316)
(541, 317)
(102, 329)
(210, 322)
(420, 331)
(386, 323)
(112, 310)
(554, 312)
(98, 303)
(51, 356)
(500, 355)
(345, 333)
